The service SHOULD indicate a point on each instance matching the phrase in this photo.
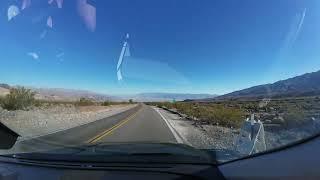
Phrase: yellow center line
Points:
(110, 130)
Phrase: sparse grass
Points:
(85, 102)
(1, 100)
(80, 102)
(19, 99)
(226, 116)
(106, 103)
(22, 99)
(214, 114)
(294, 116)
(48, 103)
(109, 103)
(293, 111)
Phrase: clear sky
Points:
(182, 46)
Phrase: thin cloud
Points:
(34, 55)
(43, 34)
(152, 71)
(295, 30)
(299, 25)
(60, 55)
(292, 35)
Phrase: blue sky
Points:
(176, 46)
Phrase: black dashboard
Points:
(30, 170)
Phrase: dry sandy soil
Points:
(3, 91)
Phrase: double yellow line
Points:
(110, 130)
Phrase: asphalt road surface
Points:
(139, 124)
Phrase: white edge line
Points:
(175, 134)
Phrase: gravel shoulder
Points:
(217, 137)
(201, 136)
(42, 121)
(280, 137)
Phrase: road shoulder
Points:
(199, 136)
(175, 133)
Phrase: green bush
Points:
(19, 99)
(1, 100)
(228, 116)
(85, 102)
(294, 116)
(106, 103)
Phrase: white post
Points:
(251, 138)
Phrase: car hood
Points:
(128, 152)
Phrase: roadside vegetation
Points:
(109, 103)
(18, 99)
(21, 98)
(85, 102)
(284, 112)
(207, 113)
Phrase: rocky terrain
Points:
(207, 136)
(201, 136)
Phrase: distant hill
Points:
(169, 96)
(60, 94)
(304, 85)
(5, 86)
(70, 94)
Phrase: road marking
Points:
(110, 130)
(175, 134)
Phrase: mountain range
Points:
(60, 94)
(304, 85)
(169, 96)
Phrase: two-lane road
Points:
(146, 125)
(139, 124)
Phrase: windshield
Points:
(225, 78)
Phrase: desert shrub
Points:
(229, 117)
(211, 113)
(18, 99)
(47, 103)
(1, 100)
(85, 102)
(294, 116)
(106, 103)
(37, 103)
